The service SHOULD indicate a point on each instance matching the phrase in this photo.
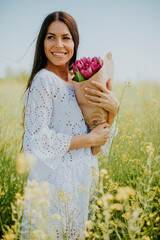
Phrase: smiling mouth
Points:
(58, 54)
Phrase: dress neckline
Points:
(69, 84)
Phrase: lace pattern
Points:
(52, 117)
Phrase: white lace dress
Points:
(52, 117)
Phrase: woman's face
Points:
(58, 44)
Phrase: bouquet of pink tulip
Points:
(87, 70)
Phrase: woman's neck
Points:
(60, 71)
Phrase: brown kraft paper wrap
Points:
(94, 116)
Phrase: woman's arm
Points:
(40, 139)
(97, 137)
(81, 141)
(106, 99)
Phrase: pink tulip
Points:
(87, 73)
(87, 67)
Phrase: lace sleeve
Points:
(112, 132)
(43, 141)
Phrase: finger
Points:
(100, 103)
(106, 124)
(99, 85)
(109, 84)
(95, 99)
(96, 104)
(95, 92)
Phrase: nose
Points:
(59, 43)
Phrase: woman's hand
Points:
(103, 98)
(96, 150)
(99, 135)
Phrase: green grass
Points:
(133, 161)
(11, 131)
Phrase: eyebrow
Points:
(55, 34)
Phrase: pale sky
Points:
(127, 28)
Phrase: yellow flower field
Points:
(127, 202)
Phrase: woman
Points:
(55, 131)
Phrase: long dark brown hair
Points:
(40, 59)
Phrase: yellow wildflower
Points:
(21, 164)
(107, 197)
(155, 101)
(63, 200)
(151, 215)
(99, 202)
(127, 215)
(103, 172)
(68, 198)
(94, 207)
(124, 193)
(157, 219)
(86, 234)
(9, 236)
(148, 223)
(1, 193)
(145, 238)
(89, 224)
(149, 149)
(116, 206)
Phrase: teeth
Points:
(59, 54)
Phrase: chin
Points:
(60, 63)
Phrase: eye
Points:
(50, 37)
(66, 38)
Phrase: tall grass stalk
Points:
(126, 203)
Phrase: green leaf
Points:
(79, 77)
